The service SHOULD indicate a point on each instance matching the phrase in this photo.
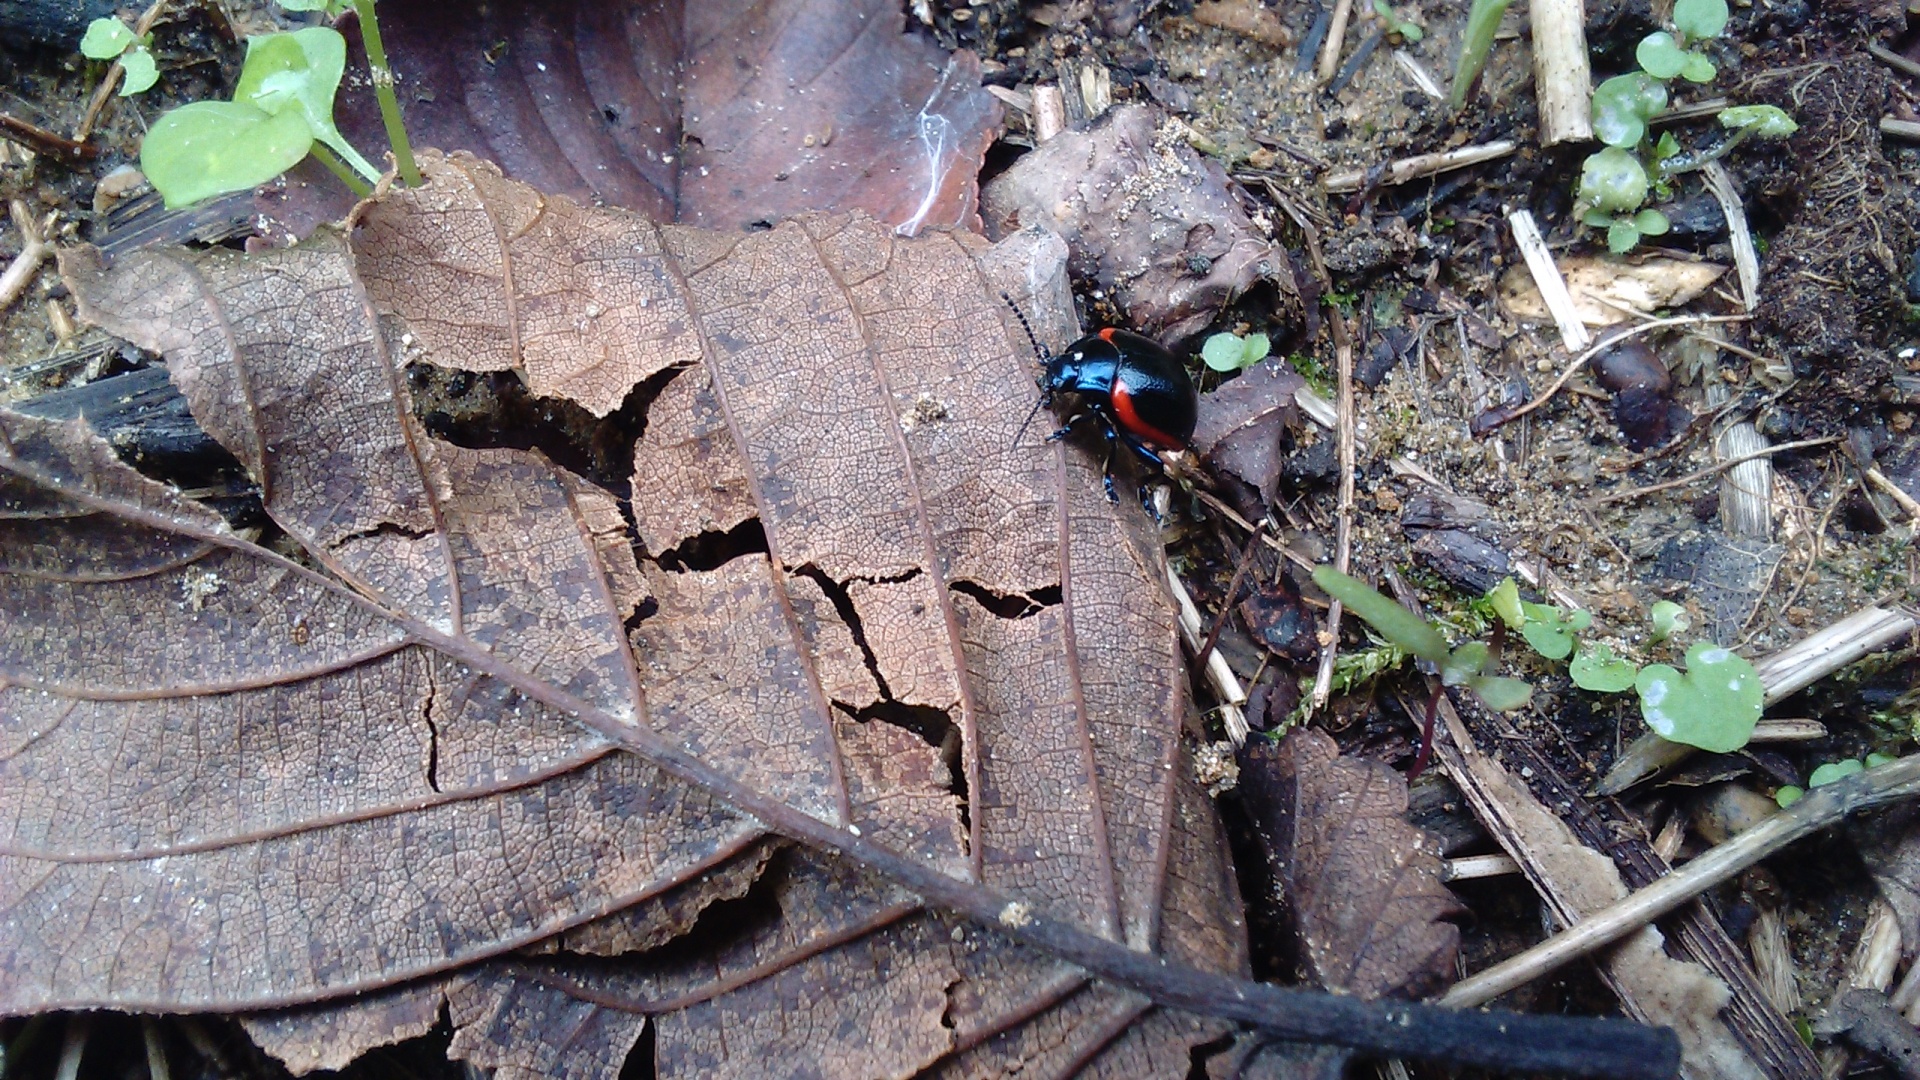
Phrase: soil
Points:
(1831, 351)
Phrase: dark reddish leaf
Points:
(1243, 433)
(722, 115)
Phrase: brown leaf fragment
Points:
(1150, 221)
(658, 920)
(332, 1035)
(518, 1028)
(1243, 431)
(1362, 886)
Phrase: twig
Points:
(1336, 38)
(1562, 79)
(1893, 59)
(33, 251)
(1820, 808)
(1352, 67)
(1220, 676)
(1746, 261)
(1343, 521)
(73, 1046)
(1546, 277)
(1612, 340)
(1419, 75)
(1477, 866)
(1421, 165)
(41, 141)
(1049, 112)
(1900, 129)
(1893, 491)
(112, 78)
(1226, 604)
(1712, 470)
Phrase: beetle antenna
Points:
(1038, 349)
(1031, 413)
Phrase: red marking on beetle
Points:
(1129, 418)
(1106, 335)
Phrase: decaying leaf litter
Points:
(1348, 246)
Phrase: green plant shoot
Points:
(108, 38)
(1230, 352)
(1466, 666)
(1550, 631)
(1483, 20)
(1595, 668)
(1668, 619)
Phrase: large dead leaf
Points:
(720, 114)
(236, 776)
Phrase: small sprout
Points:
(1624, 232)
(1395, 623)
(1788, 795)
(1505, 598)
(1465, 663)
(1230, 352)
(1550, 631)
(1877, 759)
(1483, 20)
(1668, 618)
(108, 38)
(1408, 31)
(1713, 705)
(1700, 18)
(1613, 182)
(1760, 121)
(1835, 770)
(1597, 669)
(1696, 68)
(1622, 106)
(1660, 55)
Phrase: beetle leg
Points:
(1106, 467)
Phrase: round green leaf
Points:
(1668, 618)
(1765, 121)
(1597, 669)
(139, 72)
(1788, 795)
(1257, 348)
(1835, 770)
(1465, 663)
(106, 38)
(1501, 694)
(300, 72)
(1651, 223)
(1505, 598)
(1877, 759)
(1622, 106)
(1696, 68)
(1223, 352)
(209, 148)
(1660, 56)
(1621, 236)
(1700, 18)
(1614, 181)
(1713, 705)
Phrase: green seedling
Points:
(1483, 20)
(1470, 666)
(108, 38)
(282, 110)
(1550, 631)
(1616, 181)
(1230, 352)
(1828, 773)
(1668, 619)
(1595, 668)
(1713, 705)
(1409, 32)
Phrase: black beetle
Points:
(1136, 389)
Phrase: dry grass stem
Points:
(1419, 166)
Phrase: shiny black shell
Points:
(1133, 383)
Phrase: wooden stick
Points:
(1900, 129)
(1893, 491)
(33, 251)
(1746, 260)
(1418, 166)
(1820, 808)
(1893, 59)
(1562, 80)
(1343, 522)
(1336, 40)
(1546, 277)
(1220, 676)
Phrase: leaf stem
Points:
(382, 75)
(339, 168)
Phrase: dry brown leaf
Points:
(385, 748)
(1362, 886)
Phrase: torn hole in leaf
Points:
(713, 549)
(1009, 605)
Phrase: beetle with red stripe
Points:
(1133, 386)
